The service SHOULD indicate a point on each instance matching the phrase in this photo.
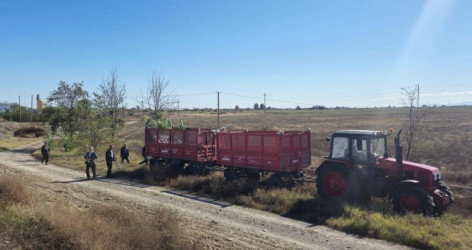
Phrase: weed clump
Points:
(37, 225)
(12, 191)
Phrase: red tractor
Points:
(359, 167)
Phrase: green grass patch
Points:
(446, 232)
(10, 142)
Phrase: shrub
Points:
(12, 191)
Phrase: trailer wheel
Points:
(254, 176)
(275, 181)
(413, 199)
(152, 164)
(159, 170)
(338, 183)
(231, 175)
(176, 167)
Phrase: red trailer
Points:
(251, 153)
(242, 153)
(195, 146)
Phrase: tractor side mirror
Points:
(386, 155)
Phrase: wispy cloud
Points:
(456, 93)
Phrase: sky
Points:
(296, 53)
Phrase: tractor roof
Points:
(358, 132)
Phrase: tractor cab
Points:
(360, 148)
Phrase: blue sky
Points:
(331, 53)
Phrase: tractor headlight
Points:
(437, 177)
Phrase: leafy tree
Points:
(256, 106)
(96, 129)
(54, 116)
(262, 106)
(67, 98)
(150, 122)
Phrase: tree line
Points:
(93, 119)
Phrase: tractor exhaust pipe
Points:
(399, 152)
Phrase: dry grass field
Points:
(445, 138)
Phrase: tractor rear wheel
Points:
(413, 199)
(338, 183)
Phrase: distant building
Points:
(39, 104)
(5, 106)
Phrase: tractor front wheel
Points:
(338, 183)
(413, 199)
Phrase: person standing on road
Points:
(124, 153)
(45, 152)
(110, 158)
(90, 158)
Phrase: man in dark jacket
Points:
(90, 158)
(143, 152)
(45, 152)
(109, 158)
(124, 154)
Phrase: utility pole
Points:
(178, 107)
(218, 110)
(19, 105)
(31, 110)
(418, 101)
(265, 107)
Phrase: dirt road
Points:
(219, 225)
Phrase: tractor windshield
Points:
(340, 148)
(377, 147)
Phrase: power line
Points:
(245, 96)
(205, 93)
(266, 99)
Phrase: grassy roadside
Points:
(74, 159)
(30, 223)
(375, 220)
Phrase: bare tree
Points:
(111, 94)
(411, 98)
(156, 97)
(110, 97)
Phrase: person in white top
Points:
(90, 158)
